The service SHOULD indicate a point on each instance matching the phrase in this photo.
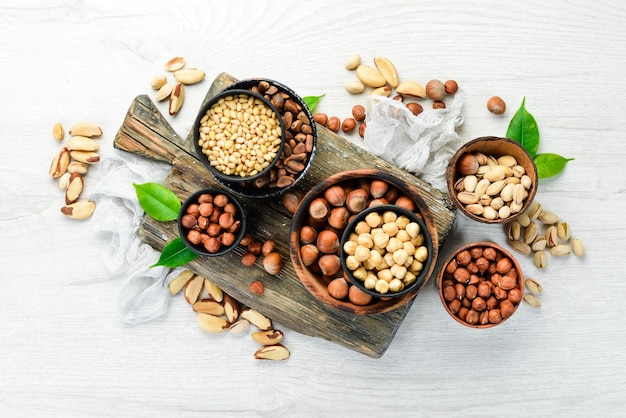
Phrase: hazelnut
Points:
(268, 247)
(291, 202)
(327, 242)
(212, 244)
(228, 239)
(194, 237)
(205, 198)
(255, 247)
(378, 188)
(435, 90)
(405, 202)
(338, 288)
(358, 112)
(321, 118)
(348, 125)
(496, 105)
(226, 220)
(415, 108)
(329, 264)
(451, 86)
(248, 259)
(309, 254)
(308, 235)
(335, 195)
(356, 200)
(257, 288)
(273, 263)
(319, 209)
(334, 123)
(467, 164)
(339, 217)
(188, 221)
(220, 200)
(439, 105)
(193, 210)
(358, 297)
(205, 209)
(362, 128)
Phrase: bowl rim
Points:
(467, 246)
(398, 210)
(196, 134)
(193, 199)
(315, 287)
(474, 145)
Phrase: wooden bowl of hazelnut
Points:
(211, 222)
(481, 285)
(386, 251)
(318, 225)
(492, 180)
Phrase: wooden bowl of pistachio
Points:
(492, 180)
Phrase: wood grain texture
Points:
(64, 352)
(286, 300)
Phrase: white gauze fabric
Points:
(422, 144)
(144, 294)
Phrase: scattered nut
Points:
(58, 132)
(451, 86)
(496, 105)
(435, 90)
(257, 288)
(353, 62)
(175, 64)
(158, 82)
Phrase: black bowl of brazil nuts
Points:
(386, 251)
(211, 222)
(300, 140)
(238, 136)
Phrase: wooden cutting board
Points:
(146, 132)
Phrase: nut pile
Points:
(212, 222)
(481, 286)
(240, 135)
(327, 217)
(386, 252)
(69, 166)
(382, 81)
(175, 92)
(490, 187)
(539, 232)
(217, 312)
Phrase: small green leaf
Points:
(312, 101)
(549, 165)
(159, 202)
(523, 129)
(175, 254)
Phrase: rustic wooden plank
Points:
(285, 300)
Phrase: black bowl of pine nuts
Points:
(211, 222)
(238, 136)
(300, 135)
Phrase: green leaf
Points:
(175, 254)
(312, 101)
(159, 202)
(549, 165)
(523, 129)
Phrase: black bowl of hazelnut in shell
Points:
(481, 285)
(238, 136)
(211, 222)
(386, 251)
(299, 145)
(318, 225)
(492, 180)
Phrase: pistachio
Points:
(489, 213)
(269, 337)
(520, 247)
(562, 230)
(175, 64)
(189, 75)
(467, 198)
(531, 233)
(540, 259)
(513, 230)
(507, 161)
(353, 62)
(60, 162)
(211, 323)
(534, 211)
(469, 183)
(164, 92)
(82, 209)
(388, 70)
(560, 250)
(524, 220)
(539, 243)
(495, 187)
(476, 208)
(370, 76)
(193, 288)
(87, 157)
(494, 173)
(239, 327)
(552, 238)
(88, 129)
(532, 300)
(533, 286)
(519, 194)
(177, 98)
(58, 132)
(272, 352)
(77, 167)
(178, 283)
(74, 188)
(81, 143)
(355, 87)
(411, 88)
(578, 248)
(481, 187)
(158, 82)
(548, 218)
(257, 319)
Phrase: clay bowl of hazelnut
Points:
(386, 251)
(299, 145)
(238, 136)
(492, 180)
(211, 222)
(481, 285)
(318, 226)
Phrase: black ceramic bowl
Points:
(221, 175)
(279, 95)
(201, 223)
(401, 269)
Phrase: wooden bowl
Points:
(446, 278)
(311, 277)
(496, 147)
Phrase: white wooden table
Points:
(65, 352)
